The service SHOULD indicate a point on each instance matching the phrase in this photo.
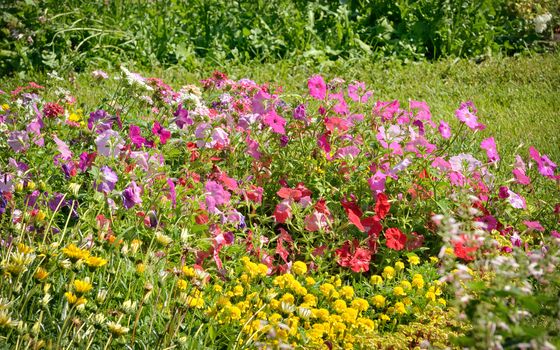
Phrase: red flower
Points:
(283, 211)
(382, 205)
(354, 257)
(463, 250)
(53, 110)
(395, 238)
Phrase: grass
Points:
(518, 98)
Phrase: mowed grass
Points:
(518, 98)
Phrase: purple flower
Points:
(86, 160)
(101, 120)
(467, 114)
(300, 113)
(18, 141)
(35, 128)
(516, 200)
(464, 162)
(350, 151)
(444, 130)
(219, 138)
(215, 196)
(503, 192)
(253, 148)
(275, 121)
(131, 195)
(317, 87)
(182, 117)
(490, 146)
(109, 143)
(108, 179)
(358, 93)
(172, 192)
(420, 146)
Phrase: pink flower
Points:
(317, 87)
(316, 221)
(283, 211)
(516, 200)
(467, 114)
(358, 93)
(63, 148)
(490, 146)
(275, 121)
(534, 225)
(215, 196)
(444, 130)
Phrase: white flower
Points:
(541, 22)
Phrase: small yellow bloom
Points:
(399, 291)
(388, 272)
(378, 301)
(188, 271)
(384, 317)
(406, 285)
(299, 268)
(400, 308)
(399, 266)
(360, 304)
(413, 259)
(75, 253)
(309, 281)
(116, 329)
(74, 300)
(376, 280)
(182, 284)
(347, 292)
(434, 260)
(94, 261)
(140, 268)
(41, 274)
(287, 298)
(5, 107)
(24, 249)
(82, 286)
(339, 306)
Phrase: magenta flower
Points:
(534, 225)
(377, 182)
(35, 128)
(349, 151)
(86, 160)
(131, 195)
(516, 200)
(317, 87)
(490, 146)
(467, 114)
(108, 178)
(172, 192)
(420, 146)
(253, 148)
(545, 165)
(135, 135)
(444, 130)
(275, 121)
(160, 131)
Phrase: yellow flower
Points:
(398, 291)
(388, 272)
(339, 305)
(309, 281)
(442, 301)
(262, 269)
(322, 314)
(5, 107)
(95, 261)
(399, 266)
(327, 289)
(430, 295)
(182, 284)
(238, 290)
(360, 304)
(384, 317)
(418, 281)
(400, 308)
(287, 298)
(74, 300)
(140, 268)
(434, 260)
(135, 245)
(376, 280)
(41, 274)
(378, 301)
(82, 286)
(299, 268)
(347, 292)
(406, 285)
(75, 253)
(163, 239)
(24, 249)
(217, 288)
(188, 271)
(310, 299)
(234, 313)
(413, 259)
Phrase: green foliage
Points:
(68, 35)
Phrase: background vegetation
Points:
(69, 35)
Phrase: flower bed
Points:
(234, 215)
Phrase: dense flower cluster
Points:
(235, 215)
